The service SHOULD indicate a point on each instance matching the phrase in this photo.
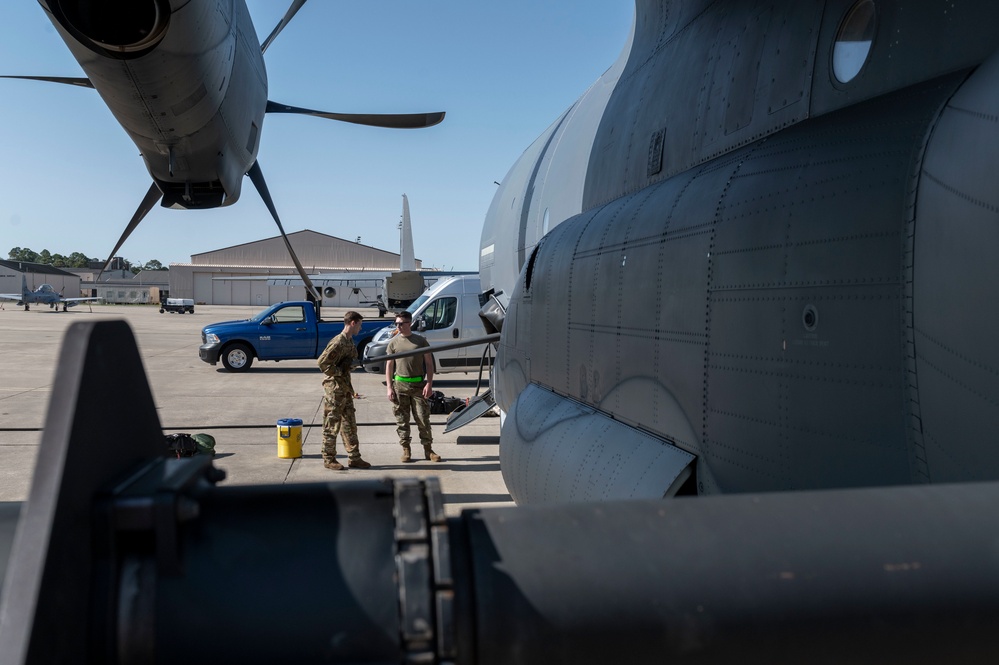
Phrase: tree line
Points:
(74, 260)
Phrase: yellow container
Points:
(289, 438)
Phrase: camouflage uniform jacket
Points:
(337, 361)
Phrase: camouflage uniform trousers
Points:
(339, 418)
(410, 399)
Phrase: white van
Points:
(447, 312)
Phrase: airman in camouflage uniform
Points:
(408, 390)
(336, 362)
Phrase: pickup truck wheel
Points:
(237, 358)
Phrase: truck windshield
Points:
(416, 304)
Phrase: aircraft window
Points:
(853, 41)
(293, 314)
(441, 313)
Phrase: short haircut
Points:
(405, 315)
(351, 317)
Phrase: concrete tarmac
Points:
(240, 410)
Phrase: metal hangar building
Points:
(238, 275)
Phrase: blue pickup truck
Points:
(285, 331)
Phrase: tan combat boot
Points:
(333, 464)
(358, 464)
(429, 453)
(407, 454)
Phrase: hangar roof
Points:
(36, 268)
(313, 249)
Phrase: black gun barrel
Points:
(906, 574)
(373, 572)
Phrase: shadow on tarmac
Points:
(272, 370)
(476, 498)
(456, 383)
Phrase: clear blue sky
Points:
(70, 178)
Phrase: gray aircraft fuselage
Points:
(758, 254)
(194, 114)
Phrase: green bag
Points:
(205, 443)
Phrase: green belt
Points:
(409, 379)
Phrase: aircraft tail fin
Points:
(24, 288)
(407, 258)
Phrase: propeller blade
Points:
(475, 341)
(257, 178)
(389, 120)
(68, 80)
(295, 6)
(152, 196)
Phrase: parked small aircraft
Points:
(198, 134)
(44, 294)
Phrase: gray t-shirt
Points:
(412, 366)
